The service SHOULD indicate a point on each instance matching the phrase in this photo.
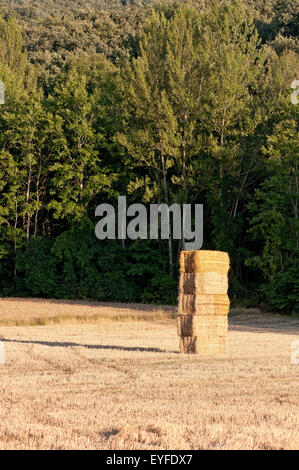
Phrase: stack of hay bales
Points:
(203, 302)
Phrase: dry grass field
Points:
(123, 385)
(21, 312)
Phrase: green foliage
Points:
(275, 214)
(161, 289)
(56, 30)
(282, 292)
(37, 268)
(76, 265)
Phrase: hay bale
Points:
(189, 304)
(203, 303)
(202, 325)
(198, 345)
(206, 299)
(208, 283)
(201, 261)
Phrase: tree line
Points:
(184, 101)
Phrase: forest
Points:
(183, 101)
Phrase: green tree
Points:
(231, 119)
(22, 161)
(150, 124)
(77, 172)
(275, 215)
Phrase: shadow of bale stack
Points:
(203, 302)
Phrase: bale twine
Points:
(203, 303)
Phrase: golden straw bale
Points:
(209, 299)
(189, 304)
(198, 261)
(203, 283)
(196, 345)
(203, 304)
(207, 325)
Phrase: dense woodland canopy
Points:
(162, 101)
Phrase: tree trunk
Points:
(28, 221)
(170, 253)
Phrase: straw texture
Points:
(197, 345)
(203, 303)
(206, 283)
(189, 304)
(200, 261)
(202, 325)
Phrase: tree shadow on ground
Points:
(88, 346)
(264, 324)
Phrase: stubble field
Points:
(106, 384)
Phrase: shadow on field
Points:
(89, 346)
(263, 324)
(248, 329)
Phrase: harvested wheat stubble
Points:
(200, 261)
(189, 304)
(20, 311)
(207, 283)
(202, 345)
(192, 325)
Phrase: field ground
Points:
(123, 385)
(23, 312)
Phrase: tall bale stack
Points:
(203, 302)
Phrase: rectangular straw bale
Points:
(189, 304)
(186, 345)
(198, 261)
(208, 283)
(208, 299)
(208, 325)
(196, 345)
